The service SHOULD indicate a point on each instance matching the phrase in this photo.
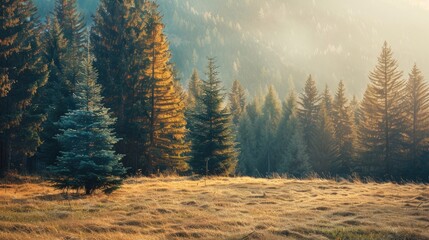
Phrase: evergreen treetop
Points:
(213, 142)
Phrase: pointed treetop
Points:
(272, 105)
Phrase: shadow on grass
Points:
(61, 197)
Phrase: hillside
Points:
(221, 208)
(281, 42)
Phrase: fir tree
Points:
(56, 96)
(308, 113)
(343, 131)
(63, 42)
(245, 138)
(354, 108)
(327, 100)
(269, 123)
(194, 90)
(309, 110)
(167, 147)
(72, 26)
(87, 158)
(382, 115)
(249, 137)
(108, 37)
(417, 132)
(71, 22)
(213, 142)
(118, 44)
(193, 93)
(237, 101)
(22, 73)
(290, 140)
(324, 148)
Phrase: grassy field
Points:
(220, 208)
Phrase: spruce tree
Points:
(327, 100)
(382, 116)
(308, 113)
(72, 26)
(167, 147)
(343, 131)
(324, 148)
(309, 110)
(63, 43)
(117, 38)
(194, 90)
(108, 37)
(87, 158)
(245, 137)
(354, 108)
(22, 73)
(213, 142)
(56, 96)
(417, 132)
(249, 138)
(120, 38)
(272, 113)
(237, 101)
(290, 142)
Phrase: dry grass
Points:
(225, 208)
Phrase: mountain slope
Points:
(278, 42)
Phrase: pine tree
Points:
(290, 141)
(382, 116)
(213, 142)
(22, 73)
(269, 123)
(167, 147)
(87, 158)
(237, 101)
(417, 112)
(343, 131)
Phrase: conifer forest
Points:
(114, 99)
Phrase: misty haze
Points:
(214, 119)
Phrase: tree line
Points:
(87, 106)
(384, 136)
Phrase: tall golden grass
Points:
(218, 208)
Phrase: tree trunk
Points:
(24, 165)
(207, 167)
(2, 161)
(4, 157)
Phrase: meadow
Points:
(217, 208)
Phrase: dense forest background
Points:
(137, 90)
(263, 42)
